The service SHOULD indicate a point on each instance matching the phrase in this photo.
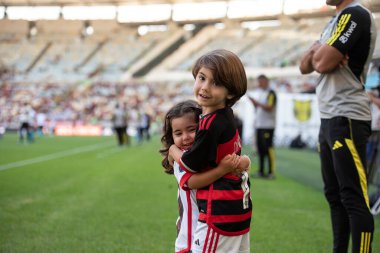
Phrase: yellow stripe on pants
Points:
(365, 242)
(272, 160)
(359, 168)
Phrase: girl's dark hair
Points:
(227, 70)
(177, 111)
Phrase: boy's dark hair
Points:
(177, 111)
(227, 71)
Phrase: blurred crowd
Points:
(85, 103)
(93, 103)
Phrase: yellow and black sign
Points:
(302, 110)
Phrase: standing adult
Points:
(342, 57)
(26, 118)
(119, 120)
(41, 121)
(265, 123)
(24, 122)
(144, 127)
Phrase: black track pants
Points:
(342, 146)
(264, 139)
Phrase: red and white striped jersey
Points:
(188, 211)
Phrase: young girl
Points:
(225, 206)
(179, 129)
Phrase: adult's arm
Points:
(306, 65)
(270, 104)
(326, 59)
(352, 24)
(374, 99)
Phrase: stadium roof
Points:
(92, 2)
(114, 2)
(262, 11)
(373, 4)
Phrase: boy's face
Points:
(184, 129)
(209, 95)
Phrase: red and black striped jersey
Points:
(226, 204)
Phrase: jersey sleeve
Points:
(181, 176)
(271, 99)
(350, 25)
(203, 152)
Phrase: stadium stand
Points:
(80, 77)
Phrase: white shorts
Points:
(206, 240)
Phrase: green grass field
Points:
(85, 194)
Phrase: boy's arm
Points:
(228, 164)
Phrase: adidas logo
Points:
(337, 145)
(197, 242)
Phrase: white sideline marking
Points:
(109, 152)
(55, 155)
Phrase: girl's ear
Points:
(229, 96)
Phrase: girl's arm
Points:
(229, 164)
(174, 154)
(244, 164)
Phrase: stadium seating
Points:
(77, 76)
(60, 52)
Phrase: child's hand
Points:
(170, 154)
(174, 154)
(235, 164)
(171, 160)
(244, 164)
(229, 163)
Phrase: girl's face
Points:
(209, 95)
(184, 131)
